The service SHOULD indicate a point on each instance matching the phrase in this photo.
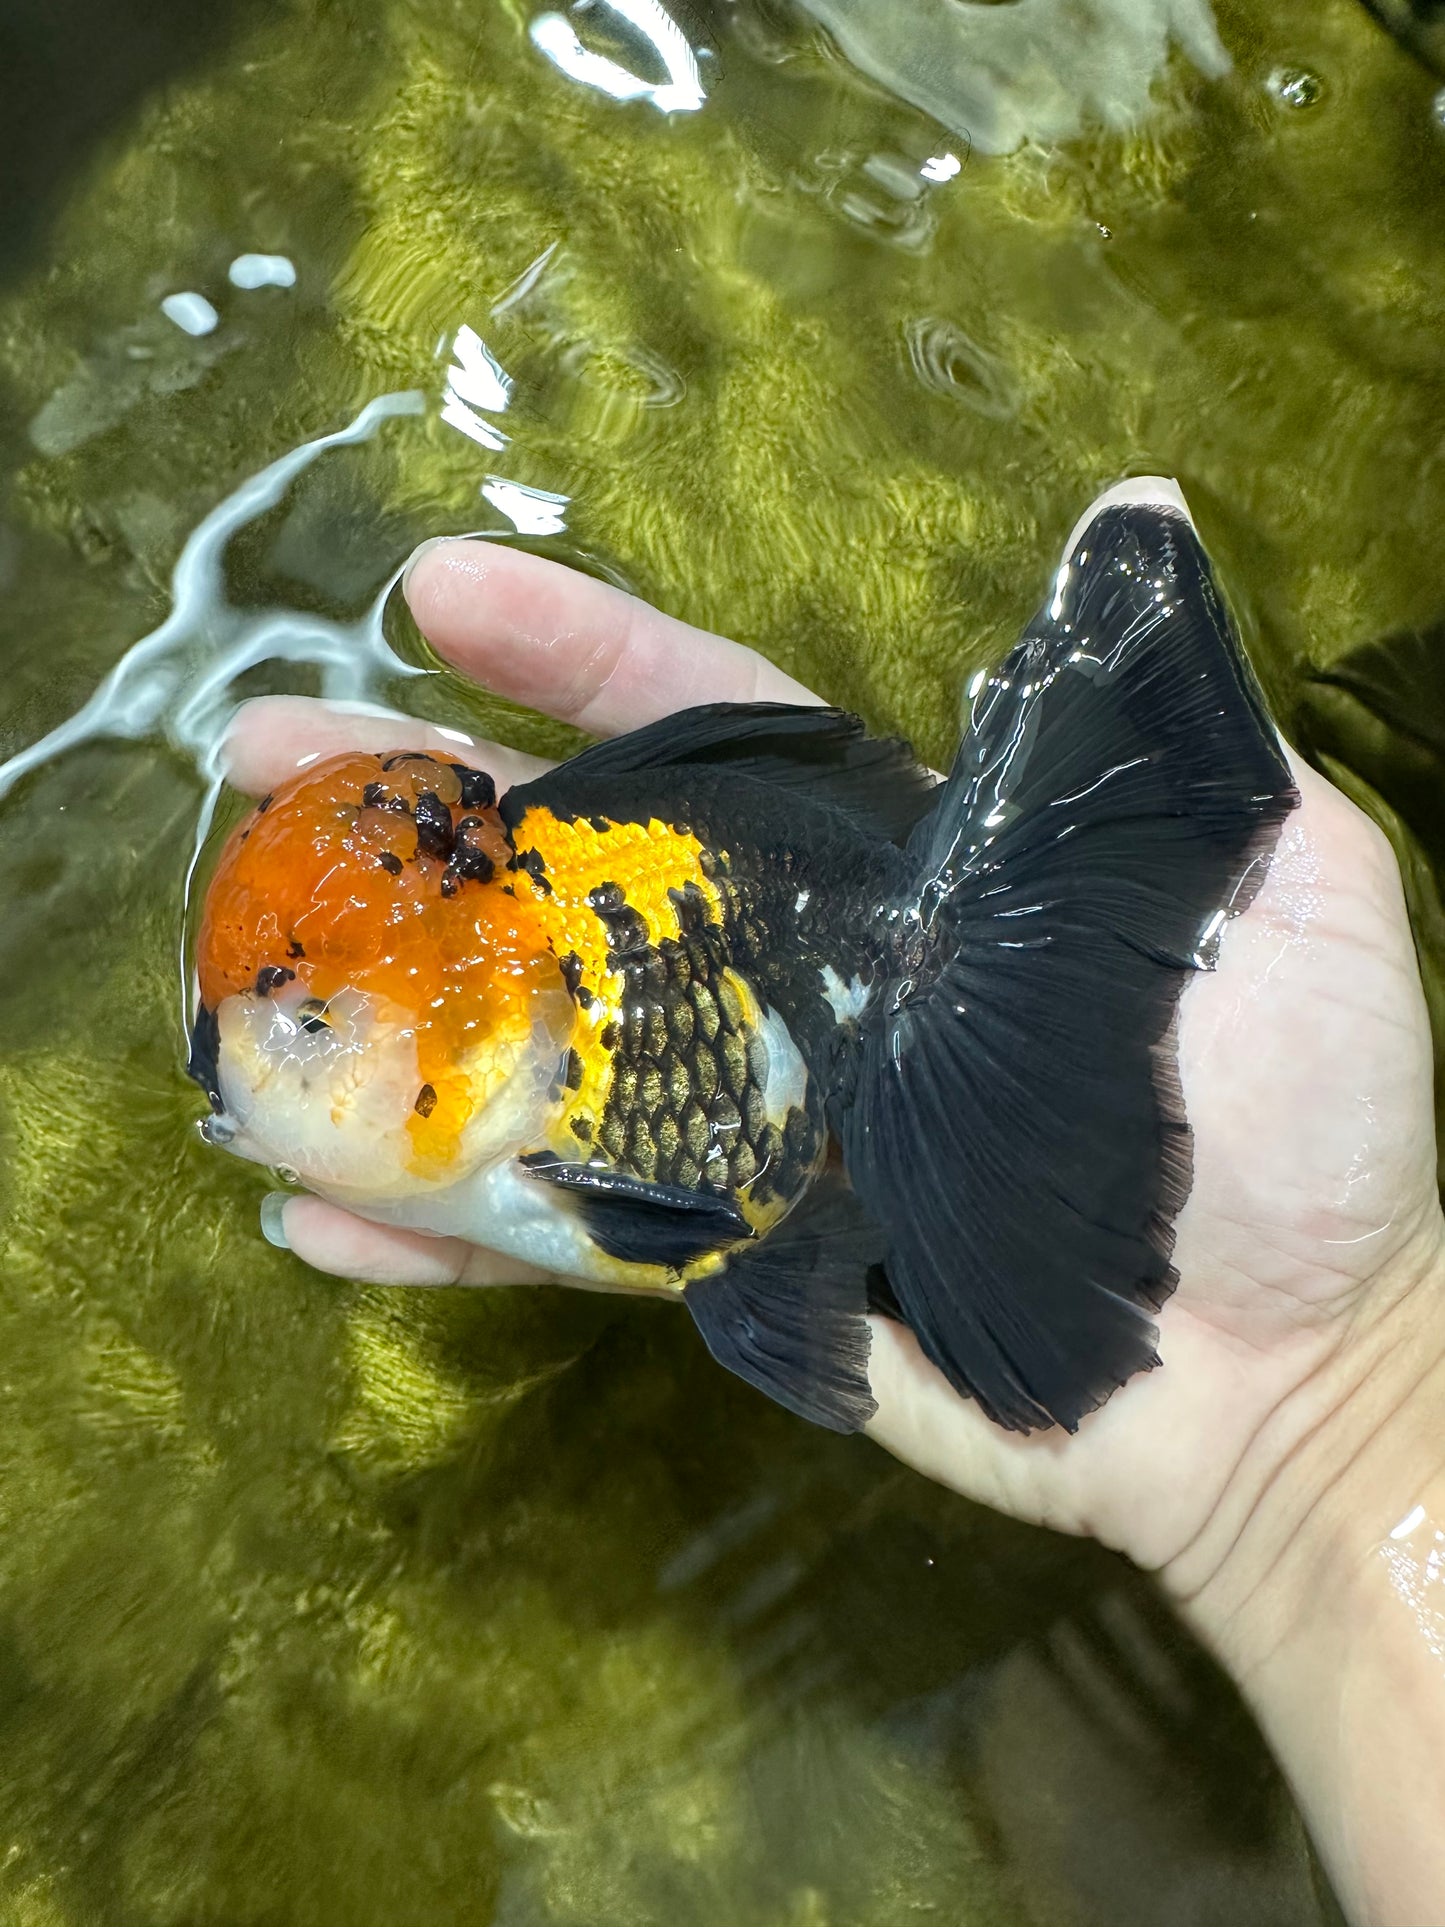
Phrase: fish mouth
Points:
(204, 1062)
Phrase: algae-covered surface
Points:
(332, 1605)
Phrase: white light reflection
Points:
(190, 312)
(1417, 1573)
(681, 93)
(1413, 1518)
(517, 293)
(180, 677)
(477, 376)
(531, 511)
(1206, 951)
(477, 383)
(261, 271)
(476, 379)
(941, 167)
(456, 414)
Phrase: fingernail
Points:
(224, 763)
(273, 1219)
(432, 542)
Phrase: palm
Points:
(1304, 1059)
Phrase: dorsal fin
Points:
(875, 782)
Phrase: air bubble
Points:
(1295, 86)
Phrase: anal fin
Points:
(787, 1315)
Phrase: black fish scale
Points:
(705, 1006)
(681, 1022)
(695, 1133)
(706, 1072)
(685, 1104)
(668, 1137)
(678, 1082)
(733, 1053)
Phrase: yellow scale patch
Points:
(645, 861)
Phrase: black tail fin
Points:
(1018, 1127)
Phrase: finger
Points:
(332, 1240)
(577, 649)
(271, 737)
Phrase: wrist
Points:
(1319, 1582)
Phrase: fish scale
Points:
(684, 1099)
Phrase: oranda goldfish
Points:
(746, 1006)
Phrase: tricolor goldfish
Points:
(746, 1006)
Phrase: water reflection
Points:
(681, 93)
(531, 511)
(1031, 70)
(946, 361)
(476, 384)
(191, 313)
(1295, 87)
(595, 388)
(879, 192)
(261, 271)
(181, 678)
(149, 358)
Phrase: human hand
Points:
(1281, 1472)
(1305, 1066)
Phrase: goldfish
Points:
(749, 1008)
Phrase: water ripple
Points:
(946, 360)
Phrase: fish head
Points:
(380, 1013)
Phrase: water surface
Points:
(325, 1604)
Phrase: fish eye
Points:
(313, 1015)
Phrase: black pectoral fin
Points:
(1017, 1124)
(203, 1061)
(875, 782)
(640, 1223)
(787, 1314)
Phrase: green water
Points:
(337, 1606)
